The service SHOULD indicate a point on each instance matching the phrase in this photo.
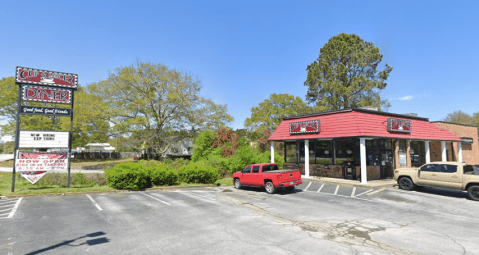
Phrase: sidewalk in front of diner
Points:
(374, 184)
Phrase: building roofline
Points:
(355, 110)
(454, 123)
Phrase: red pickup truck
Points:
(267, 175)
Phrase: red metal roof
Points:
(360, 123)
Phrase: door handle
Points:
(433, 174)
(454, 176)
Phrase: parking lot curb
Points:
(106, 191)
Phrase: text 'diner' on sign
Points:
(46, 94)
(43, 139)
(45, 77)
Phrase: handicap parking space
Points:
(8, 207)
(338, 189)
(329, 188)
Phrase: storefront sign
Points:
(34, 165)
(44, 77)
(45, 111)
(304, 127)
(46, 94)
(43, 139)
(467, 140)
(399, 125)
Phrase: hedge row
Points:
(135, 176)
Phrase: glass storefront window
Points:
(324, 152)
(301, 152)
(290, 148)
(418, 153)
(345, 150)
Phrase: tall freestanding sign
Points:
(46, 87)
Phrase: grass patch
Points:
(55, 183)
(225, 182)
(23, 187)
(9, 163)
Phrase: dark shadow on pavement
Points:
(68, 242)
(279, 191)
(442, 192)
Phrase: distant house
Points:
(96, 147)
(181, 149)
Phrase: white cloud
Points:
(406, 98)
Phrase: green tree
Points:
(269, 113)
(346, 75)
(158, 106)
(460, 117)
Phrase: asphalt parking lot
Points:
(317, 218)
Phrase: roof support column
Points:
(459, 151)
(272, 151)
(362, 150)
(428, 152)
(443, 151)
(306, 158)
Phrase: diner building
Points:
(366, 144)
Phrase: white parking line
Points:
(354, 192)
(307, 187)
(6, 205)
(202, 196)
(322, 185)
(336, 191)
(6, 209)
(9, 202)
(154, 198)
(363, 193)
(374, 192)
(94, 202)
(15, 208)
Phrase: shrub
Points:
(197, 173)
(162, 175)
(128, 176)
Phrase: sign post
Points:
(47, 87)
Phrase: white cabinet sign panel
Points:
(34, 165)
(43, 139)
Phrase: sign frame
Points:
(399, 125)
(46, 80)
(46, 77)
(305, 127)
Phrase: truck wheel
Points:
(270, 189)
(473, 192)
(237, 183)
(406, 183)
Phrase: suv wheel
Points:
(473, 192)
(406, 183)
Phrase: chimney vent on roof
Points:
(412, 114)
(369, 108)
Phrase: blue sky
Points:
(246, 50)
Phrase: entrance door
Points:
(386, 164)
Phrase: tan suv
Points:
(449, 175)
